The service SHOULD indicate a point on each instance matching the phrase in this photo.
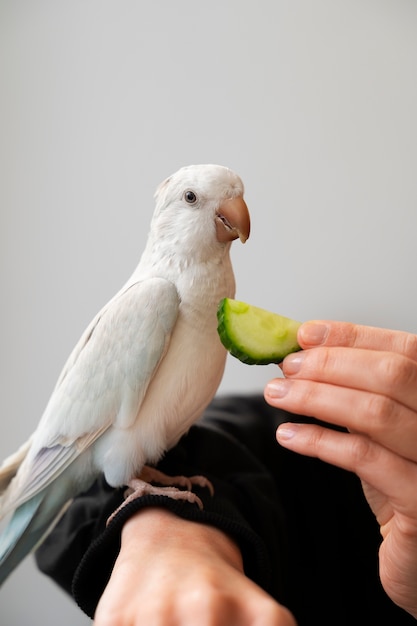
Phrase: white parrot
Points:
(144, 369)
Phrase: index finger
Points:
(345, 334)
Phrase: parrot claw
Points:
(141, 486)
(151, 475)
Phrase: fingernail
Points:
(277, 388)
(292, 363)
(286, 431)
(313, 333)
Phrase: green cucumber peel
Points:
(253, 335)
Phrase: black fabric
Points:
(306, 533)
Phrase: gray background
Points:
(312, 103)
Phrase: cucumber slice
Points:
(253, 335)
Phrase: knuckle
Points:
(343, 334)
(204, 598)
(207, 599)
(316, 362)
(380, 411)
(324, 359)
(308, 395)
(276, 614)
(397, 371)
(361, 448)
(410, 346)
(353, 335)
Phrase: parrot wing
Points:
(11, 464)
(104, 385)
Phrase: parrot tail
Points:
(27, 528)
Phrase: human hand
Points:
(364, 379)
(173, 572)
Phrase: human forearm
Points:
(170, 570)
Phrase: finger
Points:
(386, 373)
(377, 416)
(328, 333)
(358, 454)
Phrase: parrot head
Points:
(201, 206)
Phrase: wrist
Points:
(156, 530)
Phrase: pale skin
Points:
(171, 570)
(364, 379)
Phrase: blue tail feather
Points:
(25, 530)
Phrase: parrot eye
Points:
(190, 197)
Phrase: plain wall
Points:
(312, 103)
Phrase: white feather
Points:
(143, 370)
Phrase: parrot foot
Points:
(141, 486)
(151, 475)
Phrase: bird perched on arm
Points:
(143, 371)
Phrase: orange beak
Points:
(232, 220)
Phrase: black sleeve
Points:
(80, 552)
(305, 531)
